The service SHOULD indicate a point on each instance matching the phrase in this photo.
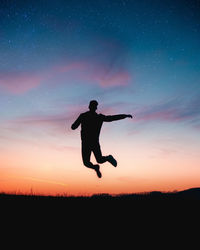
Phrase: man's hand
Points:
(130, 116)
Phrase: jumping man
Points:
(91, 124)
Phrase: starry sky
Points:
(139, 57)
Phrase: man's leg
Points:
(101, 159)
(86, 153)
(97, 153)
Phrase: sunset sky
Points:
(135, 57)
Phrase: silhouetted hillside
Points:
(104, 210)
(192, 194)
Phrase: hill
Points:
(155, 197)
(141, 213)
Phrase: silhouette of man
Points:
(91, 124)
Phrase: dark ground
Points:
(155, 219)
(126, 202)
(190, 195)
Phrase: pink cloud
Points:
(21, 82)
(171, 111)
(18, 83)
(117, 79)
(165, 115)
(83, 71)
(95, 73)
(57, 123)
(74, 66)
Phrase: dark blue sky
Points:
(49, 28)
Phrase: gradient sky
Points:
(133, 56)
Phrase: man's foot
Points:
(112, 160)
(97, 171)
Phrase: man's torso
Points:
(91, 124)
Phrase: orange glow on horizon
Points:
(49, 171)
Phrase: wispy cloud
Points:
(52, 124)
(171, 111)
(19, 82)
(44, 181)
(105, 64)
(55, 123)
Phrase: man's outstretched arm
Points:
(76, 123)
(110, 118)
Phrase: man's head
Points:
(93, 105)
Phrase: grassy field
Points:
(134, 215)
(186, 196)
(132, 209)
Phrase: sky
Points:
(134, 57)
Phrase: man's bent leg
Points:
(101, 159)
(97, 153)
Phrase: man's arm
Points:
(76, 123)
(110, 118)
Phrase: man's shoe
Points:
(97, 171)
(112, 160)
